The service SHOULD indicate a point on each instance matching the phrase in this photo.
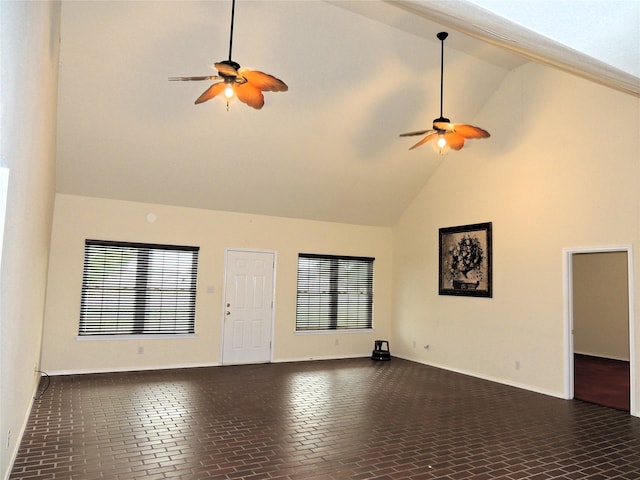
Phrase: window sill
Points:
(169, 336)
(339, 331)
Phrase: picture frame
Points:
(465, 260)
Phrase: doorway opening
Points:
(600, 322)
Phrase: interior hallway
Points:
(342, 419)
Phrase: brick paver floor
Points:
(336, 419)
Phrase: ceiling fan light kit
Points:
(234, 81)
(444, 134)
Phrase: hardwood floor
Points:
(351, 419)
(602, 381)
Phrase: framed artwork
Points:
(465, 260)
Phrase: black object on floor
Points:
(381, 350)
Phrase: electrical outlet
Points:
(517, 365)
(140, 350)
(414, 344)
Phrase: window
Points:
(138, 289)
(334, 293)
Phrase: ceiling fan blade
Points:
(250, 95)
(224, 68)
(263, 81)
(432, 135)
(469, 131)
(185, 79)
(454, 140)
(211, 92)
(417, 132)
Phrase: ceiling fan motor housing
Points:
(234, 65)
(440, 120)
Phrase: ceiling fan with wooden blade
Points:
(245, 84)
(446, 135)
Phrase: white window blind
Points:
(334, 292)
(136, 288)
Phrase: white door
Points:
(248, 312)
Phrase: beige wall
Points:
(551, 177)
(28, 75)
(544, 191)
(78, 218)
(601, 304)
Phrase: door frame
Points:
(224, 296)
(568, 323)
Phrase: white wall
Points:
(28, 75)
(561, 170)
(78, 218)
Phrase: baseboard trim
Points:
(90, 371)
(23, 428)
(315, 359)
(502, 381)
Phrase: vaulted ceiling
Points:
(359, 73)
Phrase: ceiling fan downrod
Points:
(442, 37)
(228, 79)
(233, 10)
